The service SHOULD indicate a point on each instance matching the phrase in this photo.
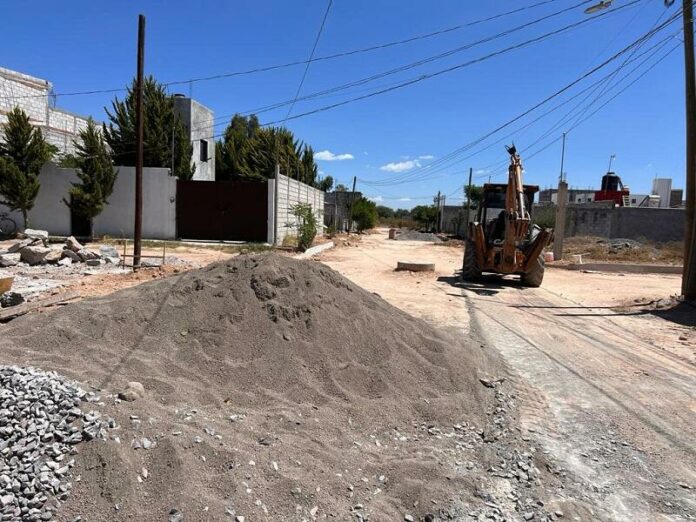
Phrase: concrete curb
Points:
(315, 250)
(621, 267)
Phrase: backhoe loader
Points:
(503, 240)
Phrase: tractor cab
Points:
(491, 210)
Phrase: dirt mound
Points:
(273, 387)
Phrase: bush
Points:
(306, 225)
(545, 216)
(364, 214)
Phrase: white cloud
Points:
(481, 171)
(400, 166)
(404, 199)
(376, 199)
(426, 157)
(327, 155)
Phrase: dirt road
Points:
(607, 389)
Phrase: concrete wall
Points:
(337, 209)
(32, 94)
(289, 193)
(198, 120)
(159, 205)
(604, 220)
(454, 219)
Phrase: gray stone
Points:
(110, 254)
(54, 256)
(132, 392)
(30, 233)
(86, 255)
(70, 254)
(16, 247)
(8, 260)
(34, 255)
(175, 515)
(93, 262)
(73, 244)
(66, 261)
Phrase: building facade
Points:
(199, 122)
(34, 96)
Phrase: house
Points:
(337, 209)
(199, 122)
(35, 97)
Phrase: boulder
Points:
(73, 244)
(110, 254)
(133, 391)
(93, 262)
(30, 233)
(54, 255)
(34, 254)
(66, 261)
(19, 245)
(86, 255)
(8, 260)
(72, 256)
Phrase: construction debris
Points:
(35, 249)
(414, 235)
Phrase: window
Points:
(204, 150)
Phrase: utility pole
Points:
(689, 274)
(437, 222)
(352, 202)
(172, 150)
(561, 199)
(468, 203)
(138, 226)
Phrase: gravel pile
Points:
(41, 422)
(414, 235)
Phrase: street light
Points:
(601, 6)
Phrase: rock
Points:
(31, 233)
(239, 518)
(175, 515)
(34, 255)
(16, 247)
(8, 260)
(408, 518)
(66, 261)
(110, 254)
(133, 391)
(71, 255)
(152, 263)
(93, 262)
(73, 244)
(488, 383)
(54, 256)
(87, 255)
(11, 299)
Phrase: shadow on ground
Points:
(681, 313)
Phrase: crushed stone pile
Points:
(414, 235)
(271, 389)
(42, 420)
(34, 249)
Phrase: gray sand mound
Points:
(272, 387)
(414, 235)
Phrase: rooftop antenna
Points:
(611, 160)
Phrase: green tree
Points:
(402, 213)
(306, 225)
(341, 188)
(326, 184)
(23, 151)
(228, 151)
(308, 167)
(364, 214)
(159, 118)
(385, 212)
(95, 171)
(425, 215)
(475, 195)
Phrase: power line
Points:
(311, 56)
(312, 60)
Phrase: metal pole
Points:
(689, 274)
(468, 203)
(138, 226)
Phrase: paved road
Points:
(597, 388)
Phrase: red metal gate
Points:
(222, 210)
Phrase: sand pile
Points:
(275, 389)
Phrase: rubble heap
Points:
(41, 421)
(34, 249)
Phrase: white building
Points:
(663, 187)
(33, 95)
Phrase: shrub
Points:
(364, 214)
(306, 225)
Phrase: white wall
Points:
(50, 212)
(290, 193)
(159, 205)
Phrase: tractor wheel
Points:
(470, 270)
(535, 275)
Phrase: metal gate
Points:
(222, 210)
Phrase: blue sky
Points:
(399, 140)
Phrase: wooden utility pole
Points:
(689, 274)
(138, 227)
(468, 203)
